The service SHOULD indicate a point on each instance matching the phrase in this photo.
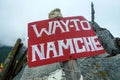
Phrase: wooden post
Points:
(19, 65)
(9, 60)
(70, 67)
(13, 64)
(92, 13)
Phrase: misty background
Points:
(16, 14)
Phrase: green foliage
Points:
(4, 53)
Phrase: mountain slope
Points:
(4, 50)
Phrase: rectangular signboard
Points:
(61, 39)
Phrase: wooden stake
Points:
(9, 60)
(92, 13)
(70, 67)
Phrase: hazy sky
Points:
(16, 14)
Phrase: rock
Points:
(92, 68)
(39, 72)
(98, 67)
(106, 39)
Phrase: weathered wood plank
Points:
(10, 60)
(70, 67)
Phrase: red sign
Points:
(61, 39)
